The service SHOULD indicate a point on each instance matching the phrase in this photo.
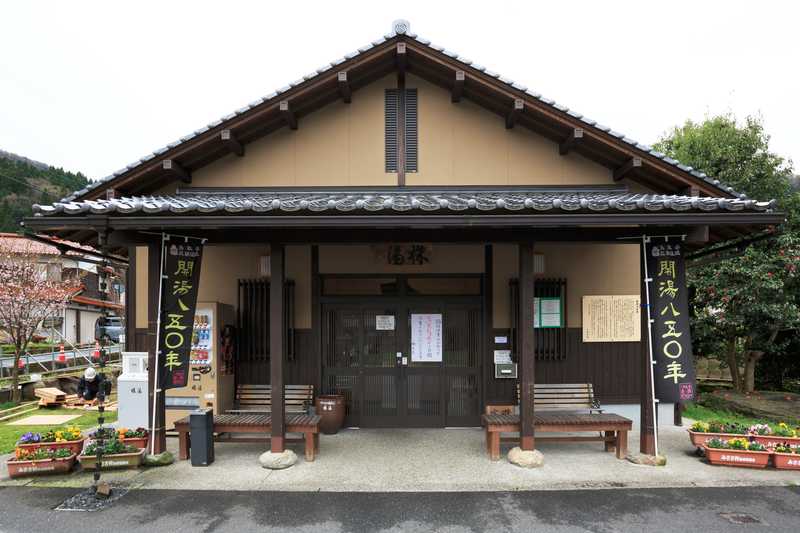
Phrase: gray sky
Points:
(92, 87)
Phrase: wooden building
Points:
(405, 180)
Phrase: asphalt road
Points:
(614, 510)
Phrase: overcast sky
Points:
(91, 87)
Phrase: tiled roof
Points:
(398, 201)
(401, 27)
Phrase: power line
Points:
(23, 182)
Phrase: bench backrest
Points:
(297, 398)
(562, 396)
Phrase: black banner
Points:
(180, 284)
(673, 373)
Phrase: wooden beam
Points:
(231, 142)
(692, 190)
(288, 114)
(458, 86)
(647, 416)
(697, 235)
(344, 86)
(516, 109)
(402, 57)
(173, 168)
(111, 193)
(575, 137)
(625, 169)
(525, 351)
(276, 347)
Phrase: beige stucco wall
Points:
(340, 144)
(141, 300)
(343, 144)
(590, 269)
(463, 144)
(359, 259)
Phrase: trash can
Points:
(330, 408)
(201, 437)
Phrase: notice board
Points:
(612, 318)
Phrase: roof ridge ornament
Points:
(401, 26)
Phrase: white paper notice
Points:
(502, 357)
(426, 338)
(384, 322)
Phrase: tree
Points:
(27, 297)
(741, 304)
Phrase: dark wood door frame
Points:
(403, 304)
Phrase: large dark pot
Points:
(330, 408)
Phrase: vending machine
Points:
(211, 368)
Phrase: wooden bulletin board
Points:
(612, 318)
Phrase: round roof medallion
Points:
(401, 26)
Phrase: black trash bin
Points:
(201, 436)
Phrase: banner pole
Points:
(157, 369)
(648, 281)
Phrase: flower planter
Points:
(75, 446)
(40, 467)
(786, 461)
(699, 439)
(773, 440)
(118, 460)
(745, 458)
(139, 442)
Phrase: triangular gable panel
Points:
(343, 79)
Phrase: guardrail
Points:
(75, 358)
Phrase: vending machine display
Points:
(210, 382)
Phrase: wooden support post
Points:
(647, 424)
(288, 114)
(516, 109)
(402, 57)
(625, 169)
(344, 87)
(575, 137)
(173, 168)
(276, 346)
(488, 315)
(697, 235)
(690, 191)
(153, 282)
(458, 86)
(231, 142)
(526, 348)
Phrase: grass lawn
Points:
(10, 434)
(707, 414)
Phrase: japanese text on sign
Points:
(426, 338)
(672, 349)
(612, 318)
(180, 281)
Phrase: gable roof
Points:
(432, 62)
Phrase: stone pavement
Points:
(398, 460)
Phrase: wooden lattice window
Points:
(253, 320)
(550, 343)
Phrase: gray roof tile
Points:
(304, 202)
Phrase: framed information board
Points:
(548, 312)
(612, 318)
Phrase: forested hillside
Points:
(24, 182)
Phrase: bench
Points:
(614, 429)
(555, 407)
(259, 423)
(258, 398)
(563, 397)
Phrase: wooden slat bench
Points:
(614, 429)
(258, 398)
(258, 423)
(563, 397)
(561, 408)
